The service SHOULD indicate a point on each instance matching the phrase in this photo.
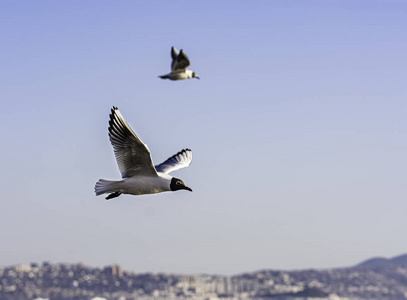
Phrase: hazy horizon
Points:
(251, 271)
(297, 127)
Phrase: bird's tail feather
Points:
(104, 186)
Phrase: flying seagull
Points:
(179, 65)
(133, 157)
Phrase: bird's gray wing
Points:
(181, 63)
(178, 161)
(174, 55)
(132, 155)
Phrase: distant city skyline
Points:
(372, 279)
(115, 269)
(297, 127)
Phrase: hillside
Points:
(379, 262)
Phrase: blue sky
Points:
(298, 130)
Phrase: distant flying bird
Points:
(139, 174)
(179, 65)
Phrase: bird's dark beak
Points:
(197, 77)
(188, 189)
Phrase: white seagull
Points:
(133, 157)
(179, 65)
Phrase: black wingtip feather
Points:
(112, 111)
(180, 152)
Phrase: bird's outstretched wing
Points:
(180, 160)
(132, 155)
(174, 55)
(181, 62)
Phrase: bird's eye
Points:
(178, 183)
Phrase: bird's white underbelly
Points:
(139, 185)
(178, 75)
